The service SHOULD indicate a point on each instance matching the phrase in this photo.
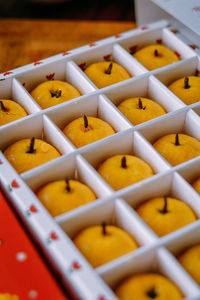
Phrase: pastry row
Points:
(136, 109)
(165, 210)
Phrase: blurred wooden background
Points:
(26, 41)
(121, 10)
(30, 32)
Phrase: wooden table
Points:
(25, 41)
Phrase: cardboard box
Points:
(115, 207)
(23, 272)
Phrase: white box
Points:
(54, 234)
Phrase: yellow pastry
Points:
(165, 214)
(177, 148)
(122, 170)
(86, 130)
(101, 244)
(54, 92)
(7, 296)
(196, 185)
(187, 89)
(147, 286)
(106, 73)
(62, 196)
(155, 56)
(29, 153)
(10, 111)
(190, 260)
(139, 110)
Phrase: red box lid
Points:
(23, 272)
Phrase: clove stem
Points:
(186, 83)
(123, 162)
(108, 71)
(104, 228)
(156, 52)
(164, 210)
(68, 188)
(85, 121)
(152, 293)
(56, 94)
(31, 147)
(3, 106)
(140, 105)
(177, 143)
